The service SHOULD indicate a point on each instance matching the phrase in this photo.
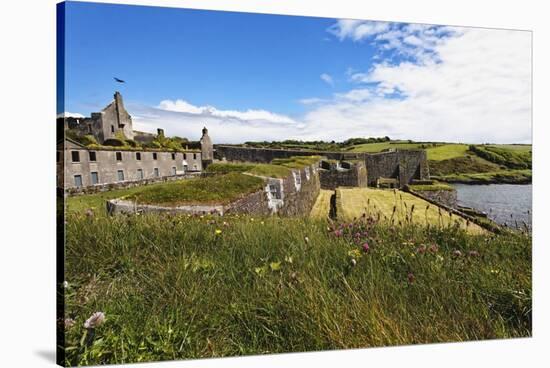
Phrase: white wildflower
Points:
(95, 320)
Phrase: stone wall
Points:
(300, 190)
(101, 166)
(294, 195)
(126, 184)
(406, 165)
(337, 174)
(446, 197)
(403, 164)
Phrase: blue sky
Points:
(253, 76)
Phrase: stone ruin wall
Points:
(298, 191)
(354, 176)
(405, 164)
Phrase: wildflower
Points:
(306, 239)
(353, 262)
(421, 249)
(288, 259)
(410, 277)
(225, 224)
(69, 322)
(261, 222)
(433, 248)
(366, 247)
(473, 253)
(457, 253)
(65, 284)
(218, 231)
(95, 320)
(496, 272)
(338, 233)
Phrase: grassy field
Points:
(321, 208)
(175, 287)
(215, 189)
(278, 168)
(501, 176)
(396, 207)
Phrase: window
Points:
(154, 155)
(184, 167)
(275, 192)
(194, 156)
(156, 172)
(173, 170)
(119, 156)
(173, 156)
(138, 156)
(112, 128)
(194, 167)
(92, 156)
(78, 181)
(75, 155)
(95, 177)
(185, 156)
(120, 175)
(140, 173)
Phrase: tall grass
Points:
(175, 287)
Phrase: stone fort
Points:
(105, 166)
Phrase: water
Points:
(503, 203)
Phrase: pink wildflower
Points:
(366, 247)
(95, 320)
(410, 277)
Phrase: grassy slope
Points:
(357, 201)
(171, 288)
(215, 189)
(278, 168)
(321, 208)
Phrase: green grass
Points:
(321, 208)
(380, 146)
(278, 168)
(394, 206)
(218, 189)
(430, 187)
(468, 163)
(172, 288)
(446, 151)
(511, 158)
(502, 176)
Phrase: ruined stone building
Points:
(105, 165)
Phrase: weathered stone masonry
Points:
(293, 195)
(404, 165)
(85, 167)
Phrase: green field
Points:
(219, 189)
(395, 206)
(177, 287)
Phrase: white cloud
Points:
(478, 90)
(357, 30)
(327, 78)
(248, 115)
(181, 118)
(67, 114)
